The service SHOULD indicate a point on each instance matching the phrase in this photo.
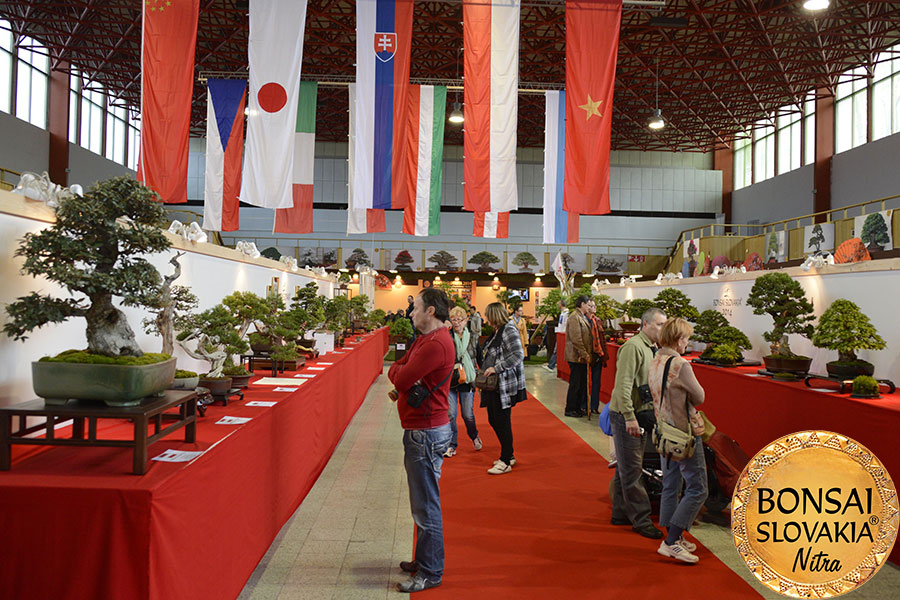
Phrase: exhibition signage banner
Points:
(383, 44)
(491, 225)
(592, 42)
(425, 155)
(560, 227)
(224, 149)
(491, 67)
(299, 219)
(359, 220)
(276, 54)
(168, 40)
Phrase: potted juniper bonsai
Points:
(307, 312)
(634, 310)
(844, 328)
(401, 330)
(782, 298)
(95, 250)
(707, 323)
(212, 336)
(337, 317)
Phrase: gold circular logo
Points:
(814, 515)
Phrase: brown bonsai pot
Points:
(241, 381)
(217, 386)
(841, 370)
(798, 364)
(630, 326)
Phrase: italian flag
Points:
(491, 225)
(299, 219)
(425, 156)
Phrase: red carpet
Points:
(543, 531)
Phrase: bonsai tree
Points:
(376, 318)
(584, 290)
(816, 238)
(485, 259)
(358, 257)
(864, 385)
(276, 326)
(607, 265)
(95, 250)
(692, 250)
(708, 323)
(171, 304)
(732, 340)
(524, 259)
(843, 327)
(212, 336)
(608, 310)
(403, 259)
(337, 314)
(875, 232)
(638, 306)
(359, 307)
(567, 261)
(308, 257)
(307, 309)
(772, 245)
(443, 260)
(549, 306)
(329, 258)
(401, 329)
(725, 353)
(781, 297)
(271, 252)
(675, 303)
(509, 300)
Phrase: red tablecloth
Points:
(562, 367)
(756, 411)
(75, 524)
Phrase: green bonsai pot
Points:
(185, 380)
(115, 385)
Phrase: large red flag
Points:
(167, 83)
(592, 43)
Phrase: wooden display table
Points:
(151, 410)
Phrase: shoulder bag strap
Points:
(665, 380)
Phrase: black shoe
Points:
(616, 521)
(649, 531)
(575, 413)
(417, 583)
(409, 566)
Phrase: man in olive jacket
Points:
(578, 355)
(631, 505)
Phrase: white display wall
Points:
(210, 277)
(873, 286)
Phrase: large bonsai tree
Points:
(171, 306)
(676, 303)
(608, 264)
(637, 307)
(782, 298)
(307, 308)
(337, 314)
(443, 260)
(707, 323)
(608, 310)
(843, 327)
(524, 260)
(95, 250)
(212, 336)
(485, 259)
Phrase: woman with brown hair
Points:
(503, 355)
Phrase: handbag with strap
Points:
(419, 393)
(487, 383)
(458, 375)
(671, 442)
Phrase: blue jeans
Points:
(467, 401)
(693, 470)
(551, 362)
(423, 454)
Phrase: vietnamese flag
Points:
(592, 43)
(169, 38)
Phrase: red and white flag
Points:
(491, 225)
(224, 150)
(592, 45)
(276, 53)
(491, 42)
(168, 41)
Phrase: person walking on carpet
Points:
(426, 432)
(598, 355)
(631, 421)
(462, 395)
(677, 407)
(578, 355)
(503, 355)
(522, 326)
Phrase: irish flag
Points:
(224, 150)
(359, 220)
(425, 156)
(491, 41)
(299, 219)
(491, 225)
(560, 226)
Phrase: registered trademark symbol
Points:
(873, 520)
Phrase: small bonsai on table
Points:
(782, 298)
(844, 328)
(865, 386)
(725, 345)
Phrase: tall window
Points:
(32, 74)
(134, 139)
(74, 104)
(763, 150)
(809, 128)
(788, 131)
(743, 168)
(886, 95)
(850, 110)
(115, 134)
(6, 64)
(93, 103)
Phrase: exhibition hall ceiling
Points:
(721, 64)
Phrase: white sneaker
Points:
(549, 368)
(512, 462)
(677, 551)
(477, 443)
(500, 468)
(689, 546)
(450, 452)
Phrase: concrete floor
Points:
(354, 527)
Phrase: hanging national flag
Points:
(169, 37)
(383, 44)
(592, 43)
(491, 225)
(491, 66)
(425, 156)
(359, 220)
(225, 99)
(560, 227)
(299, 219)
(276, 53)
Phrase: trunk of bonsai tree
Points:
(108, 331)
(846, 357)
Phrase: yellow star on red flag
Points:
(592, 108)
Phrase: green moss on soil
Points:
(179, 374)
(85, 357)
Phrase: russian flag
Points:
(560, 226)
(383, 44)
(224, 148)
(491, 225)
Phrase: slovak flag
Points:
(383, 44)
(224, 150)
(560, 226)
(491, 225)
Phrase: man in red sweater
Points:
(426, 434)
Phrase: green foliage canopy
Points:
(676, 303)
(844, 327)
(782, 298)
(707, 323)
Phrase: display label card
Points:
(260, 403)
(324, 363)
(278, 381)
(233, 420)
(305, 375)
(177, 456)
(285, 389)
(317, 368)
(401, 346)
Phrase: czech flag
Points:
(560, 226)
(224, 148)
(427, 113)
(491, 225)
(383, 44)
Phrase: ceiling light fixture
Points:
(813, 5)
(456, 115)
(656, 122)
